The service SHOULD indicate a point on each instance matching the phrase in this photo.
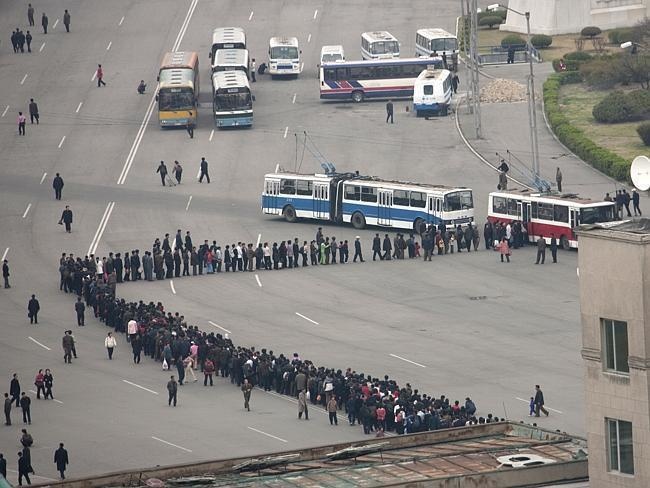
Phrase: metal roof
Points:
(229, 79)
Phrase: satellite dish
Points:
(640, 173)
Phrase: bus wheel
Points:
(419, 226)
(289, 214)
(358, 220)
(357, 96)
(564, 242)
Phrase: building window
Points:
(615, 350)
(619, 446)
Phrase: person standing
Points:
(172, 389)
(67, 343)
(14, 389)
(61, 457)
(33, 110)
(541, 250)
(626, 202)
(504, 249)
(66, 20)
(110, 343)
(24, 467)
(66, 218)
(558, 179)
(5, 273)
(57, 184)
(39, 382)
(162, 169)
(253, 69)
(44, 22)
(30, 14)
(28, 39)
(332, 407)
(389, 111)
(100, 76)
(455, 81)
(204, 171)
(48, 381)
(178, 171)
(539, 402)
(635, 202)
(33, 308)
(80, 308)
(8, 403)
(554, 248)
(22, 120)
(190, 127)
(302, 405)
(246, 388)
(26, 405)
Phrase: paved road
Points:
(469, 325)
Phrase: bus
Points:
(227, 38)
(230, 60)
(431, 42)
(332, 54)
(178, 89)
(379, 45)
(232, 101)
(365, 200)
(432, 92)
(376, 78)
(547, 215)
(284, 56)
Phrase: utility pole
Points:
(531, 102)
(476, 102)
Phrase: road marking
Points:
(42, 47)
(259, 283)
(29, 205)
(61, 143)
(43, 178)
(267, 434)
(211, 135)
(307, 318)
(545, 406)
(102, 226)
(4, 255)
(293, 100)
(250, 17)
(36, 342)
(219, 327)
(170, 444)
(315, 13)
(407, 360)
(140, 386)
(57, 401)
(24, 78)
(108, 48)
(189, 200)
(302, 66)
(34, 475)
(286, 131)
(184, 26)
(309, 38)
(94, 75)
(171, 284)
(259, 238)
(78, 107)
(4, 112)
(198, 174)
(277, 167)
(55, 24)
(121, 20)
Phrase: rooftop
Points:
(637, 230)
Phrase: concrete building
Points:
(614, 270)
(569, 16)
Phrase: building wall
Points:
(570, 16)
(614, 269)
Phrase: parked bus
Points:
(364, 200)
(284, 56)
(548, 215)
(432, 92)
(232, 101)
(430, 42)
(376, 78)
(178, 89)
(379, 45)
(227, 38)
(231, 60)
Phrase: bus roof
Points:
(283, 41)
(552, 198)
(176, 77)
(422, 60)
(434, 74)
(300, 176)
(332, 49)
(378, 36)
(435, 33)
(180, 59)
(222, 35)
(237, 57)
(229, 79)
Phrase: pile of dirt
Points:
(501, 90)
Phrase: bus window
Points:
(534, 209)
(401, 197)
(303, 187)
(512, 207)
(288, 187)
(459, 200)
(499, 205)
(352, 192)
(418, 199)
(428, 89)
(597, 214)
(368, 194)
(561, 213)
(545, 211)
(175, 99)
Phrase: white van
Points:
(379, 45)
(331, 54)
(432, 92)
(284, 56)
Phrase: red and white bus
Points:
(544, 214)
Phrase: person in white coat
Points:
(110, 344)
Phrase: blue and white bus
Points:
(365, 200)
(375, 78)
(432, 92)
(232, 101)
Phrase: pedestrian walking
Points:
(246, 388)
(253, 69)
(389, 111)
(39, 382)
(635, 202)
(357, 250)
(33, 111)
(204, 171)
(172, 389)
(26, 407)
(48, 381)
(504, 249)
(68, 344)
(61, 460)
(110, 343)
(302, 405)
(33, 308)
(22, 120)
(162, 169)
(332, 407)
(178, 171)
(554, 248)
(190, 125)
(44, 22)
(455, 82)
(26, 440)
(5, 273)
(66, 218)
(541, 250)
(24, 469)
(558, 179)
(8, 404)
(21, 41)
(539, 402)
(626, 202)
(30, 14)
(57, 184)
(28, 39)
(80, 308)
(100, 76)
(66, 20)
(14, 389)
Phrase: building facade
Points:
(614, 274)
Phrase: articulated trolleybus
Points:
(365, 200)
(544, 215)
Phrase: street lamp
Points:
(532, 111)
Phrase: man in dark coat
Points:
(3, 466)
(24, 469)
(376, 248)
(5, 273)
(468, 237)
(539, 401)
(554, 248)
(541, 250)
(66, 218)
(162, 169)
(25, 405)
(57, 184)
(487, 235)
(61, 460)
(33, 308)
(387, 247)
(7, 406)
(357, 250)
(80, 308)
(14, 389)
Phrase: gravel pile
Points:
(502, 90)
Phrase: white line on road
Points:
(24, 78)
(29, 205)
(315, 13)
(110, 43)
(43, 178)
(293, 100)
(219, 327)
(309, 38)
(211, 135)
(259, 238)
(102, 226)
(171, 284)
(94, 75)
(302, 66)
(407, 360)
(4, 112)
(267, 434)
(198, 173)
(4, 254)
(121, 20)
(170, 444)
(250, 17)
(286, 131)
(78, 107)
(140, 386)
(545, 406)
(277, 167)
(307, 318)
(57, 401)
(259, 283)
(36, 342)
(55, 24)
(184, 26)
(189, 200)
(42, 47)
(61, 143)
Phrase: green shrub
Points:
(644, 132)
(590, 31)
(615, 107)
(578, 56)
(619, 36)
(570, 77)
(541, 41)
(512, 40)
(600, 73)
(490, 21)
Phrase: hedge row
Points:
(600, 158)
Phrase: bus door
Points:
(272, 191)
(434, 207)
(524, 212)
(385, 201)
(574, 220)
(321, 201)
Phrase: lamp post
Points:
(532, 110)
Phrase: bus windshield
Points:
(385, 47)
(176, 99)
(284, 52)
(592, 215)
(331, 58)
(233, 101)
(444, 44)
(458, 200)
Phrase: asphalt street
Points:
(467, 325)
